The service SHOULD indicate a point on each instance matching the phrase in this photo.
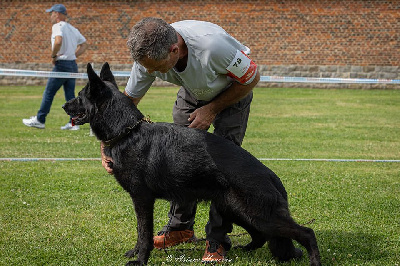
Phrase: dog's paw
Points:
(134, 262)
(295, 254)
(131, 253)
(298, 253)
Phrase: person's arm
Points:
(56, 47)
(81, 49)
(105, 160)
(203, 117)
(134, 100)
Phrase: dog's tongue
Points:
(73, 121)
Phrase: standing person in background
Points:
(216, 77)
(67, 44)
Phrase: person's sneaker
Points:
(171, 238)
(69, 126)
(33, 122)
(214, 253)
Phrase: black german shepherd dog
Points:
(176, 163)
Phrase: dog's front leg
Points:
(144, 205)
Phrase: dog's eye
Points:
(78, 99)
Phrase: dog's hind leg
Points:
(258, 239)
(283, 249)
(144, 206)
(283, 228)
(280, 229)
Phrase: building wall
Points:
(316, 38)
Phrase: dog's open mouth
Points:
(78, 119)
(79, 115)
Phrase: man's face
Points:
(53, 17)
(162, 66)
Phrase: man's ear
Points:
(174, 48)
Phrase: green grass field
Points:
(74, 213)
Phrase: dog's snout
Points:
(65, 106)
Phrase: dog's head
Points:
(97, 91)
(101, 104)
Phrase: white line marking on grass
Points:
(331, 160)
(260, 159)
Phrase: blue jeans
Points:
(54, 84)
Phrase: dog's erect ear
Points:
(97, 88)
(93, 78)
(106, 74)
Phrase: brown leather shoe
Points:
(172, 238)
(214, 253)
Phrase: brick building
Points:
(313, 38)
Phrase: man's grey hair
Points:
(151, 37)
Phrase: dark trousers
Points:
(231, 124)
(54, 84)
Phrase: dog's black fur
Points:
(162, 160)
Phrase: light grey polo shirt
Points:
(71, 38)
(215, 58)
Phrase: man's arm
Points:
(81, 49)
(134, 100)
(56, 47)
(203, 117)
(105, 160)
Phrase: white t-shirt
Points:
(215, 58)
(71, 38)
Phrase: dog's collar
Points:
(113, 141)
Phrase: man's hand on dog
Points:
(202, 118)
(106, 161)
